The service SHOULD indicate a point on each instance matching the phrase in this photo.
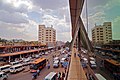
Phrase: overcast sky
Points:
(20, 18)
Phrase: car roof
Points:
(99, 76)
(50, 75)
(17, 65)
(1, 72)
(4, 66)
(85, 58)
(56, 61)
(56, 58)
(63, 58)
(92, 62)
(92, 58)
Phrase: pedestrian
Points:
(65, 69)
(34, 76)
(59, 74)
(38, 72)
(63, 75)
(48, 65)
(74, 54)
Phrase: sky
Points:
(20, 18)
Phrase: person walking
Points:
(38, 72)
(34, 76)
(48, 65)
(59, 74)
(74, 54)
(63, 75)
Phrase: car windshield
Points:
(11, 68)
(33, 67)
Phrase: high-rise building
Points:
(102, 34)
(47, 35)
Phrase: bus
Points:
(113, 67)
(39, 63)
(16, 68)
(5, 68)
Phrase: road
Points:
(26, 75)
(102, 71)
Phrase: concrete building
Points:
(47, 35)
(102, 34)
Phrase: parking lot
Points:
(26, 75)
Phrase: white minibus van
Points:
(16, 68)
(5, 68)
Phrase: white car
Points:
(93, 64)
(46, 53)
(16, 68)
(56, 58)
(37, 56)
(56, 64)
(85, 59)
(51, 76)
(62, 60)
(3, 76)
(99, 76)
(92, 59)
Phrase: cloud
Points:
(64, 36)
(116, 29)
(100, 11)
(15, 18)
(12, 6)
(51, 4)
(20, 18)
(95, 18)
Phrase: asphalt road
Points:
(102, 71)
(26, 75)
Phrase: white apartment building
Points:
(102, 34)
(47, 35)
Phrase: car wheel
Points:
(5, 79)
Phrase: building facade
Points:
(47, 35)
(102, 34)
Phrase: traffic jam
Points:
(37, 65)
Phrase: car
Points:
(56, 64)
(14, 63)
(92, 59)
(85, 59)
(16, 68)
(103, 53)
(51, 76)
(66, 56)
(93, 64)
(5, 68)
(56, 58)
(99, 76)
(3, 76)
(62, 60)
(46, 53)
(42, 53)
(36, 56)
(26, 62)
